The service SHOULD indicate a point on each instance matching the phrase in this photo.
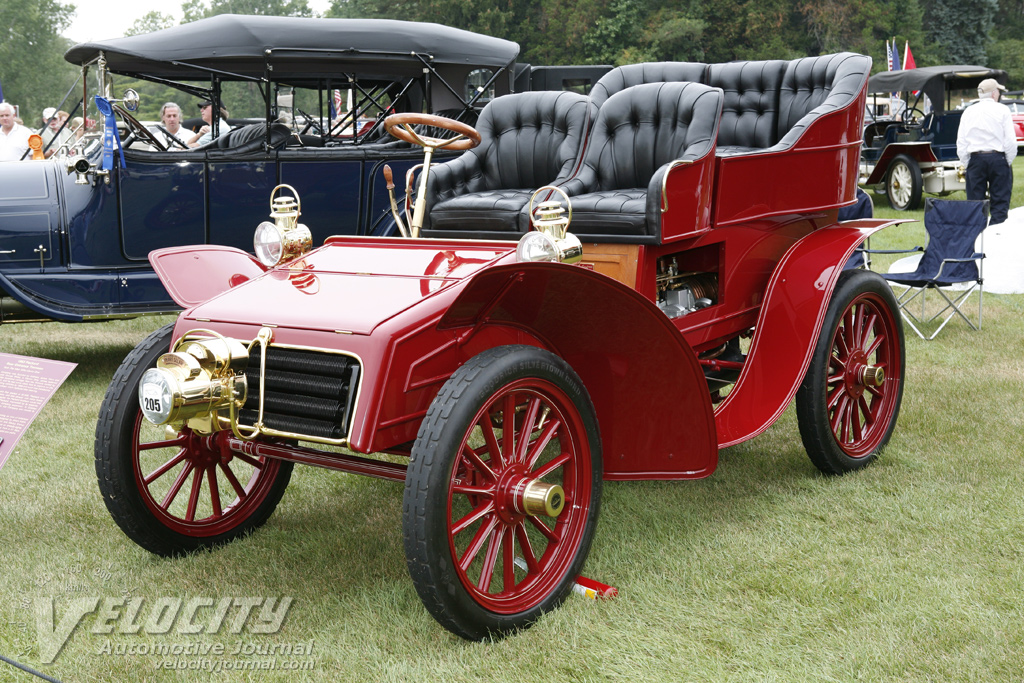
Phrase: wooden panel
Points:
(617, 261)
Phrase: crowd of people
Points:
(58, 131)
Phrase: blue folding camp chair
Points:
(949, 259)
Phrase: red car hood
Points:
(351, 284)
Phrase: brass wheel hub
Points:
(860, 374)
(521, 496)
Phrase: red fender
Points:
(788, 327)
(192, 274)
(650, 394)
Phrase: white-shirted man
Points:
(987, 146)
(13, 136)
(169, 131)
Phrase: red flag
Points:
(908, 57)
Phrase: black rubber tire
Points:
(812, 398)
(903, 169)
(425, 503)
(115, 435)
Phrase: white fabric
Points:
(166, 137)
(1004, 255)
(986, 127)
(208, 135)
(14, 144)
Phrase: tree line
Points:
(34, 74)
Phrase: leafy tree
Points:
(33, 73)
(194, 10)
(149, 22)
(961, 28)
(1008, 54)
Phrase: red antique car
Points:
(514, 352)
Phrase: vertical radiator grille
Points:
(307, 392)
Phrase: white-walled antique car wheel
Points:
(175, 495)
(498, 522)
(903, 184)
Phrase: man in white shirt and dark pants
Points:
(13, 136)
(987, 146)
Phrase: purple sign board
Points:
(26, 384)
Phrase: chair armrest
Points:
(458, 176)
(893, 251)
(963, 260)
(956, 260)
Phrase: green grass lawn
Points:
(911, 570)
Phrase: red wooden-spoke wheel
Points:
(849, 401)
(175, 495)
(503, 492)
(193, 487)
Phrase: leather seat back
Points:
(622, 77)
(644, 127)
(814, 86)
(528, 139)
(750, 111)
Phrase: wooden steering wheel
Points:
(400, 126)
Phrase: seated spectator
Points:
(78, 127)
(53, 120)
(170, 130)
(205, 133)
(13, 135)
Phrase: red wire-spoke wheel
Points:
(850, 398)
(503, 490)
(173, 494)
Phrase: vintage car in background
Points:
(1016, 107)
(915, 150)
(75, 237)
(610, 287)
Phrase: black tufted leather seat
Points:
(750, 111)
(768, 104)
(620, 78)
(639, 132)
(528, 140)
(815, 86)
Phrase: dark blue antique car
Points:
(912, 149)
(74, 238)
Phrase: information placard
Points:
(26, 384)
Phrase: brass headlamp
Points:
(551, 241)
(284, 239)
(198, 378)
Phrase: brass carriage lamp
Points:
(285, 239)
(198, 378)
(551, 241)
